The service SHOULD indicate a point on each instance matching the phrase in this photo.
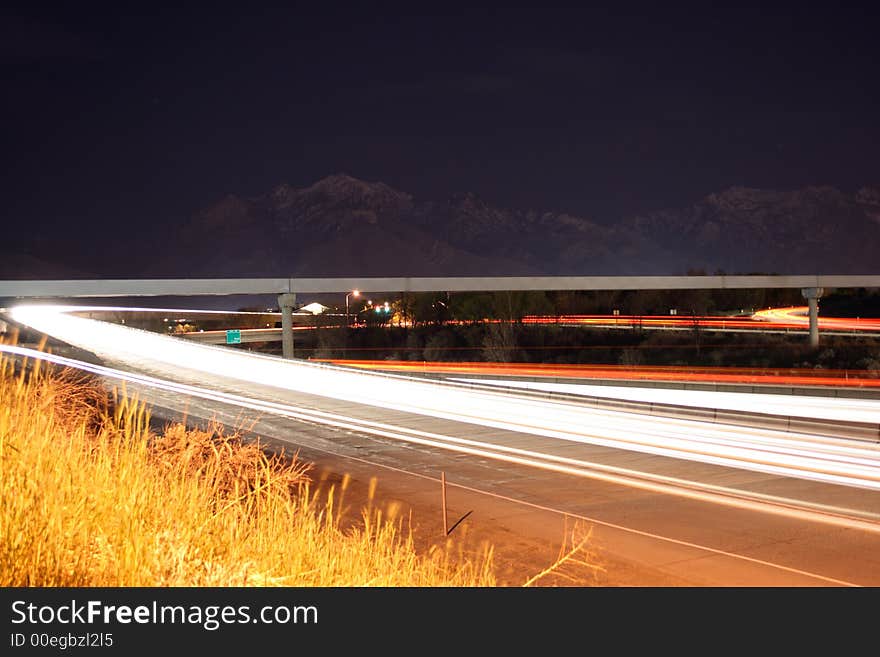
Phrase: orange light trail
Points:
(794, 317)
(789, 377)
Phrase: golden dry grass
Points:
(92, 497)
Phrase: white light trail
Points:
(624, 476)
(779, 453)
(807, 406)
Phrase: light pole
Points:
(355, 294)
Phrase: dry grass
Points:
(578, 563)
(93, 497)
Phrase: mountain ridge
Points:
(344, 226)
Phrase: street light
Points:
(355, 294)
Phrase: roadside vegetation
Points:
(92, 496)
(489, 327)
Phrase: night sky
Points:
(143, 118)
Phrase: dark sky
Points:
(138, 119)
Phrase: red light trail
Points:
(739, 375)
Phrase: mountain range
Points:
(343, 226)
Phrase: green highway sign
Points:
(233, 336)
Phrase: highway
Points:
(681, 501)
(774, 320)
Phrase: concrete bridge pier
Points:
(286, 302)
(812, 295)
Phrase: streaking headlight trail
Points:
(780, 453)
(816, 407)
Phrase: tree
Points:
(439, 346)
(499, 343)
(470, 306)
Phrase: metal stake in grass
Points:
(443, 501)
(446, 529)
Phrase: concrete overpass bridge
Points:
(812, 287)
